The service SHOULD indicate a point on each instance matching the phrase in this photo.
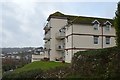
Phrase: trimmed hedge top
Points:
(98, 51)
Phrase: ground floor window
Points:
(96, 39)
(107, 40)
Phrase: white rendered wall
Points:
(56, 24)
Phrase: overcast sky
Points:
(23, 20)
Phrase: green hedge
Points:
(26, 75)
(117, 24)
(100, 63)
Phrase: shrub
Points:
(26, 75)
(100, 63)
(117, 25)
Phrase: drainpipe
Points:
(72, 39)
(72, 33)
(102, 37)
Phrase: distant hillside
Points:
(10, 50)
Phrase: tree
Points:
(117, 25)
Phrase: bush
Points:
(117, 25)
(26, 75)
(101, 63)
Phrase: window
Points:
(95, 39)
(96, 26)
(107, 40)
(67, 38)
(107, 27)
(59, 47)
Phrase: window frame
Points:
(107, 27)
(96, 26)
(107, 23)
(96, 39)
(107, 40)
(67, 39)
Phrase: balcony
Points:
(47, 37)
(60, 47)
(46, 28)
(60, 35)
(47, 47)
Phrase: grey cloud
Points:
(24, 27)
(12, 32)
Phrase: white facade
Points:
(62, 39)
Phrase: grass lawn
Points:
(43, 65)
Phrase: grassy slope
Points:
(40, 65)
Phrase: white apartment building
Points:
(67, 34)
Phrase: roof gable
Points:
(107, 23)
(95, 22)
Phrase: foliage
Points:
(24, 75)
(11, 64)
(100, 63)
(117, 25)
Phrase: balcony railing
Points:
(47, 37)
(47, 27)
(47, 47)
(60, 35)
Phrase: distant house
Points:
(18, 57)
(67, 34)
(2, 55)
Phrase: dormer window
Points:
(96, 25)
(107, 26)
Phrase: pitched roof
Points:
(79, 19)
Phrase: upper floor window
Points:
(96, 25)
(59, 47)
(107, 26)
(67, 38)
(96, 39)
(107, 40)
